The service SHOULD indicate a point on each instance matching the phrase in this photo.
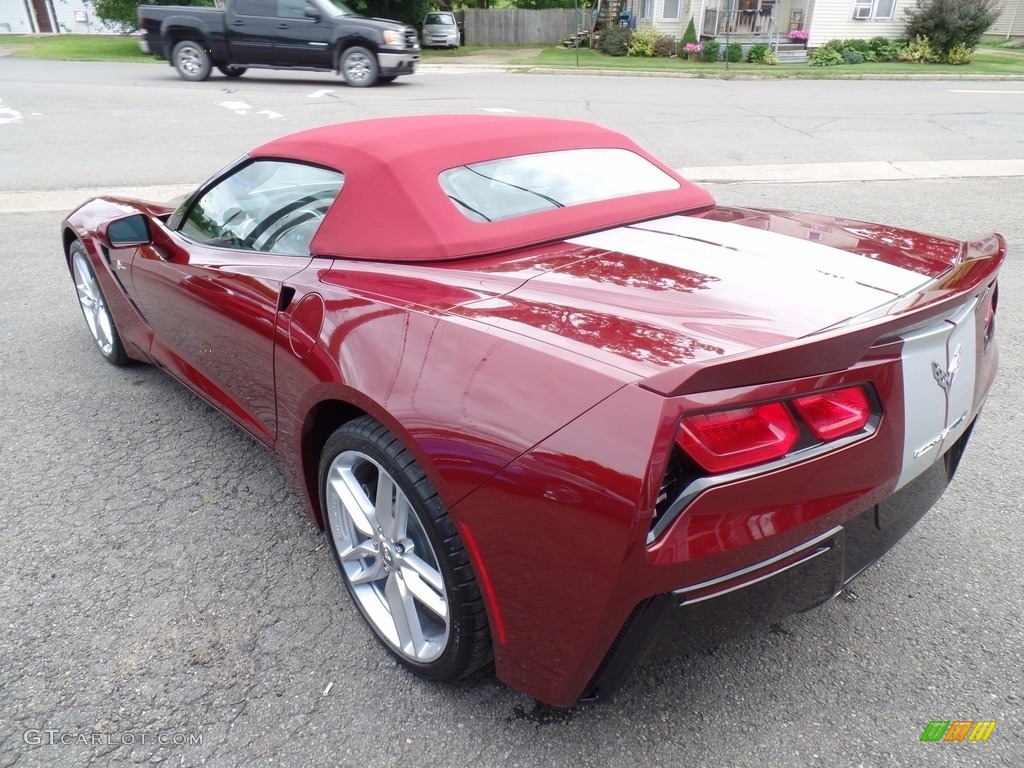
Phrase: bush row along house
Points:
(769, 21)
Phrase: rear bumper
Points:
(802, 578)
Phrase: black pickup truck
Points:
(279, 34)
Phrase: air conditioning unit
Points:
(862, 12)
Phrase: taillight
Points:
(740, 437)
(835, 414)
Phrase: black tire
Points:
(387, 78)
(382, 561)
(230, 70)
(359, 67)
(191, 61)
(94, 308)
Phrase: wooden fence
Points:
(515, 26)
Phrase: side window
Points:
(267, 205)
(255, 7)
(291, 9)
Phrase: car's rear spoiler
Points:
(841, 346)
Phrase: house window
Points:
(671, 10)
(878, 10)
(884, 9)
(646, 9)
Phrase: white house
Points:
(25, 17)
(823, 20)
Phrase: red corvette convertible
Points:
(542, 393)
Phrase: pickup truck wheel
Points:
(191, 61)
(359, 67)
(229, 70)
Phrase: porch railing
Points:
(755, 22)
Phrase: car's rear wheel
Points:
(191, 61)
(400, 555)
(94, 307)
(230, 70)
(359, 67)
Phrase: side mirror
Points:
(311, 12)
(128, 232)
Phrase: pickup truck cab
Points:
(279, 34)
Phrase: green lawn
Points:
(75, 47)
(989, 59)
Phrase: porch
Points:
(749, 22)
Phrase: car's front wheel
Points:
(400, 555)
(191, 61)
(94, 307)
(359, 67)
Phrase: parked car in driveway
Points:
(540, 391)
(279, 34)
(440, 30)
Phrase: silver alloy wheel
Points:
(386, 557)
(358, 67)
(189, 61)
(97, 317)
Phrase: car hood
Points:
(665, 293)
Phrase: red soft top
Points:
(392, 208)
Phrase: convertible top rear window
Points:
(516, 186)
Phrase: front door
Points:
(211, 288)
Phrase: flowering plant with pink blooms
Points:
(693, 48)
(799, 34)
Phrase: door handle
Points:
(282, 26)
(237, 23)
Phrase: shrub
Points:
(919, 51)
(734, 52)
(851, 56)
(948, 23)
(879, 43)
(824, 57)
(757, 53)
(960, 54)
(886, 49)
(770, 59)
(690, 35)
(711, 51)
(615, 41)
(856, 44)
(642, 43)
(665, 45)
(122, 15)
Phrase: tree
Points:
(122, 16)
(948, 23)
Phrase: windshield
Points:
(336, 8)
(445, 19)
(516, 186)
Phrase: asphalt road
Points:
(163, 598)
